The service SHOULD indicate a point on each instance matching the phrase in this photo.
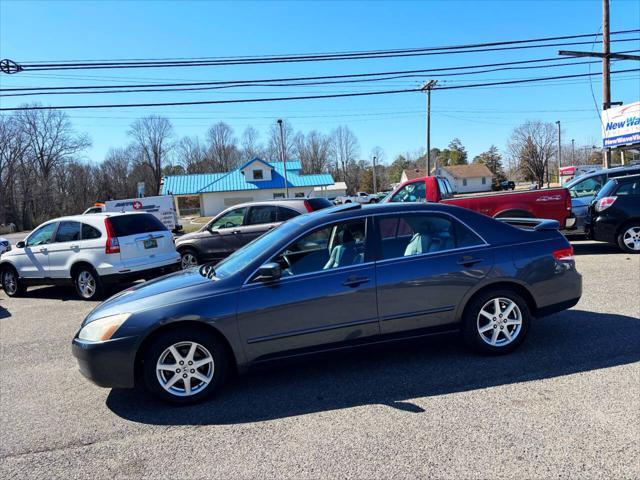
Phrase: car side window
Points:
(285, 214)
(261, 214)
(233, 218)
(414, 234)
(587, 187)
(629, 189)
(89, 232)
(338, 245)
(42, 235)
(68, 232)
(412, 192)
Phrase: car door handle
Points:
(354, 281)
(235, 232)
(73, 245)
(468, 261)
(43, 249)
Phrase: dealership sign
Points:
(621, 125)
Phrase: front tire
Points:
(188, 259)
(185, 366)
(629, 238)
(496, 322)
(87, 283)
(11, 283)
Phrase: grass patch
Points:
(193, 223)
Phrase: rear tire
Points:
(87, 282)
(496, 331)
(629, 238)
(11, 283)
(188, 258)
(204, 367)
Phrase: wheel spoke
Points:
(176, 356)
(202, 362)
(169, 368)
(200, 377)
(486, 328)
(509, 309)
(172, 381)
(192, 350)
(486, 314)
(187, 385)
(494, 337)
(514, 321)
(496, 306)
(506, 334)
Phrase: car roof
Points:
(275, 202)
(595, 173)
(626, 178)
(90, 216)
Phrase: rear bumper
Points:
(107, 364)
(603, 228)
(557, 307)
(129, 276)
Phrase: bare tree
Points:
(152, 140)
(344, 151)
(13, 145)
(313, 150)
(222, 151)
(532, 145)
(251, 147)
(274, 146)
(191, 154)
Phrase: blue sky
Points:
(32, 31)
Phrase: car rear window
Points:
(318, 203)
(125, 225)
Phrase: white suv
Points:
(90, 251)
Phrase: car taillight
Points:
(564, 254)
(112, 245)
(604, 203)
(567, 202)
(308, 206)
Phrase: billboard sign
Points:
(621, 125)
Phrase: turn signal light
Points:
(604, 203)
(564, 254)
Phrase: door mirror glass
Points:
(269, 272)
(20, 244)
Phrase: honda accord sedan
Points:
(340, 277)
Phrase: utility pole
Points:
(427, 86)
(284, 160)
(375, 190)
(573, 152)
(606, 79)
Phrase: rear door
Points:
(259, 219)
(143, 239)
(426, 263)
(66, 244)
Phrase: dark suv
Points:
(238, 225)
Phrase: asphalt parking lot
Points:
(566, 404)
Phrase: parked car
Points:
(90, 252)
(5, 245)
(359, 197)
(553, 203)
(160, 206)
(615, 214)
(583, 190)
(342, 277)
(507, 185)
(238, 225)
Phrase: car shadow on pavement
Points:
(569, 342)
(596, 248)
(4, 313)
(68, 292)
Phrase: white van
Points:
(161, 207)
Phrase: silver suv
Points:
(89, 251)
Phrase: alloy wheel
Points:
(185, 369)
(631, 238)
(86, 284)
(188, 260)
(499, 322)
(10, 282)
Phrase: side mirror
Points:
(20, 244)
(269, 272)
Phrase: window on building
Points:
(300, 195)
(484, 180)
(278, 195)
(258, 175)
(464, 182)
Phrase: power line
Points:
(314, 58)
(302, 97)
(294, 81)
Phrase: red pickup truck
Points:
(552, 203)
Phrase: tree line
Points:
(44, 171)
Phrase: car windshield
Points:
(241, 258)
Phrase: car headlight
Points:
(102, 329)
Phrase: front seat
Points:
(419, 243)
(344, 254)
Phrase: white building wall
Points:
(473, 184)
(213, 203)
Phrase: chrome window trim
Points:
(429, 254)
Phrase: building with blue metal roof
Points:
(256, 180)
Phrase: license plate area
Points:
(150, 243)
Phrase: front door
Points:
(67, 243)
(427, 263)
(326, 295)
(224, 234)
(33, 261)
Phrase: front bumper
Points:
(109, 364)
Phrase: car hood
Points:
(173, 288)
